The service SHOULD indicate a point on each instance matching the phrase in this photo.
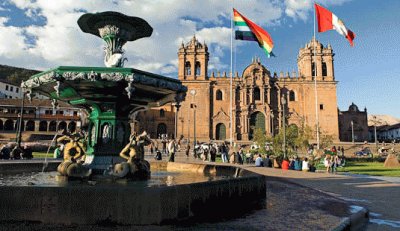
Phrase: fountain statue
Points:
(111, 96)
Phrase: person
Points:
(57, 151)
(187, 151)
(327, 163)
(171, 150)
(213, 153)
(224, 153)
(268, 162)
(242, 155)
(304, 165)
(333, 150)
(151, 148)
(342, 149)
(291, 164)
(335, 164)
(158, 155)
(297, 164)
(285, 164)
(164, 146)
(26, 152)
(5, 152)
(16, 153)
(259, 161)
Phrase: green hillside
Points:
(15, 75)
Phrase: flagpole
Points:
(315, 82)
(231, 83)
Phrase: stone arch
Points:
(72, 126)
(62, 125)
(218, 95)
(256, 92)
(292, 96)
(257, 121)
(220, 131)
(161, 129)
(188, 68)
(9, 125)
(30, 125)
(53, 126)
(43, 126)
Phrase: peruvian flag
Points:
(328, 21)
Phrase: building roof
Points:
(33, 103)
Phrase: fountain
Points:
(111, 95)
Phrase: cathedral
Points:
(260, 99)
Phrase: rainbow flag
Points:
(248, 30)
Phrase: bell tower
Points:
(193, 61)
(322, 62)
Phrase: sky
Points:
(43, 34)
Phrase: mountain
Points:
(380, 120)
(15, 75)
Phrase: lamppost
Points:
(272, 123)
(177, 106)
(352, 131)
(376, 140)
(283, 100)
(193, 105)
(21, 118)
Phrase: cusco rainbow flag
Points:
(248, 30)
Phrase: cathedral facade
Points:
(260, 99)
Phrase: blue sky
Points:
(41, 34)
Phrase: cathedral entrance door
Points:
(257, 121)
(220, 132)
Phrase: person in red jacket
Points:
(285, 164)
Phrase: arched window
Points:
(257, 95)
(161, 129)
(188, 69)
(162, 113)
(197, 68)
(292, 96)
(43, 126)
(324, 70)
(30, 125)
(218, 95)
(313, 73)
(237, 94)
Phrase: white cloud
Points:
(61, 42)
(300, 9)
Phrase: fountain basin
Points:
(239, 191)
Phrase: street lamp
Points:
(272, 123)
(376, 140)
(352, 131)
(19, 132)
(193, 105)
(283, 100)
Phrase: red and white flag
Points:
(328, 21)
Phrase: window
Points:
(187, 68)
(6, 87)
(292, 96)
(321, 107)
(75, 113)
(257, 95)
(48, 112)
(218, 95)
(324, 70)
(197, 68)
(17, 90)
(313, 71)
(162, 113)
(60, 112)
(11, 88)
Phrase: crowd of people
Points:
(15, 152)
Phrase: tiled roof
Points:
(33, 103)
